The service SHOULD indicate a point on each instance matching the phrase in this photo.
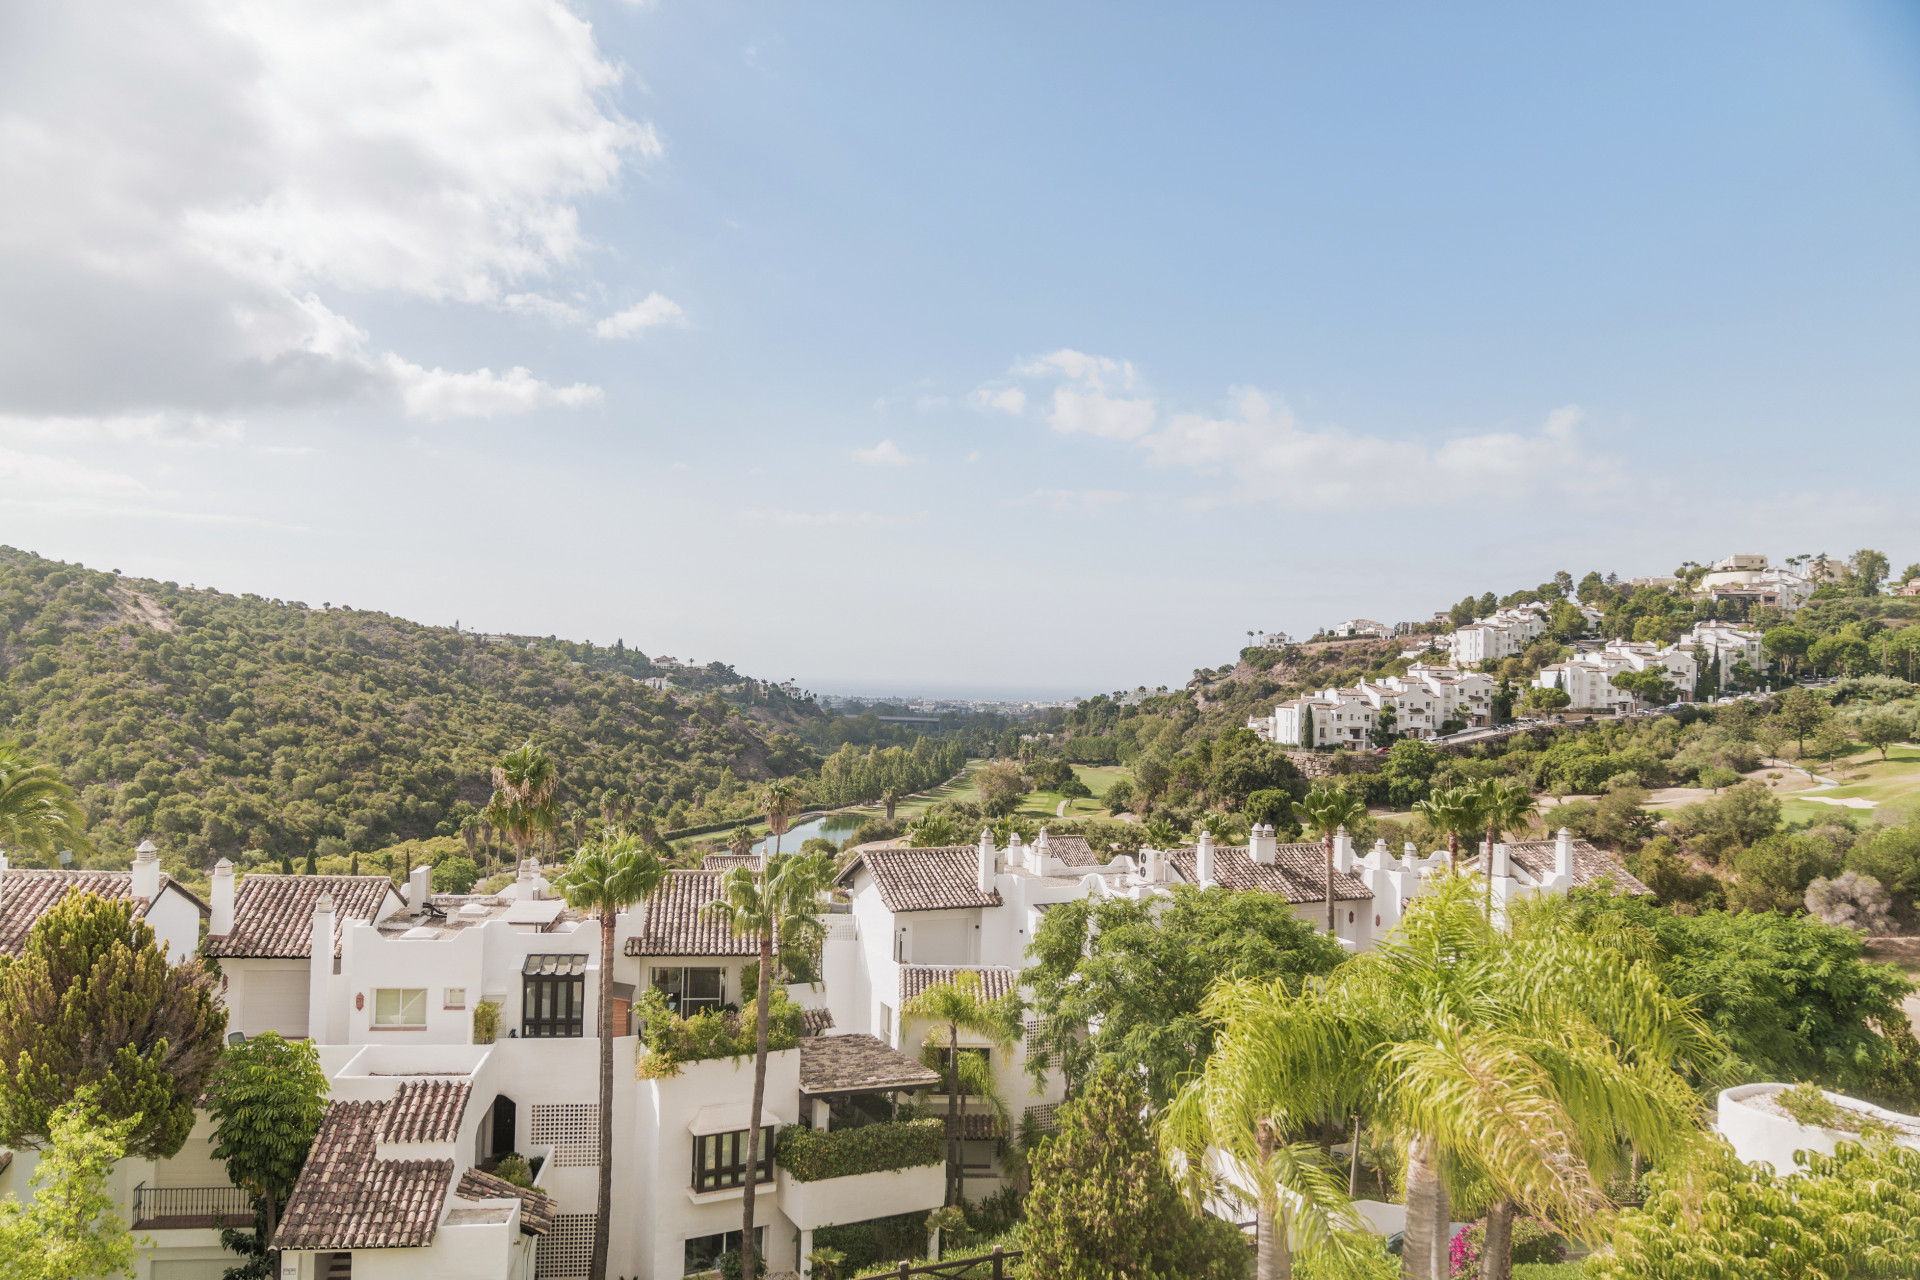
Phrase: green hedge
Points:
(808, 1155)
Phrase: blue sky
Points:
(1001, 350)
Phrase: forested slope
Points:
(220, 723)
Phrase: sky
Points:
(982, 350)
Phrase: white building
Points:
(1587, 678)
(1505, 633)
(1423, 701)
(1727, 647)
(1747, 578)
(1360, 627)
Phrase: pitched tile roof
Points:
(1073, 850)
(816, 1022)
(994, 982)
(426, 1111)
(1591, 865)
(728, 861)
(674, 921)
(925, 879)
(1298, 873)
(978, 1126)
(858, 1064)
(536, 1207)
(347, 1199)
(273, 914)
(27, 893)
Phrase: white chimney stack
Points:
(1563, 853)
(983, 879)
(146, 871)
(1018, 856)
(419, 881)
(1040, 851)
(1342, 851)
(1263, 846)
(222, 922)
(1502, 865)
(322, 953)
(1204, 859)
(3, 862)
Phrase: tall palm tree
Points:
(523, 806)
(1536, 1055)
(1328, 810)
(740, 840)
(1230, 1128)
(779, 902)
(607, 877)
(781, 799)
(953, 1007)
(37, 812)
(1455, 811)
(1504, 807)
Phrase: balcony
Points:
(190, 1208)
(851, 1175)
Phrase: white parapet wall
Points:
(860, 1196)
(1762, 1133)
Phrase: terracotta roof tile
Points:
(674, 921)
(536, 1207)
(273, 914)
(1073, 850)
(27, 893)
(858, 1063)
(1591, 865)
(426, 1111)
(994, 982)
(1298, 873)
(728, 861)
(347, 1199)
(816, 1022)
(925, 879)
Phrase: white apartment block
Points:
(1587, 678)
(1747, 578)
(1505, 633)
(1424, 700)
(1727, 646)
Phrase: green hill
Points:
(222, 725)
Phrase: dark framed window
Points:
(703, 1252)
(553, 997)
(690, 991)
(720, 1160)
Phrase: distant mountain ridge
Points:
(219, 724)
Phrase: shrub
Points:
(1533, 1241)
(513, 1167)
(808, 1155)
(730, 1268)
(486, 1022)
(876, 1240)
(671, 1040)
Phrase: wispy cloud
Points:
(1083, 500)
(651, 312)
(835, 519)
(145, 428)
(438, 394)
(998, 399)
(884, 454)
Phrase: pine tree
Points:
(1103, 1202)
(92, 1002)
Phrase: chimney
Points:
(1262, 845)
(322, 953)
(1017, 855)
(1378, 856)
(1040, 851)
(1502, 866)
(1409, 853)
(3, 862)
(983, 875)
(419, 880)
(1204, 859)
(1342, 851)
(146, 871)
(222, 923)
(1563, 853)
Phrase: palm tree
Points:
(607, 877)
(1504, 807)
(470, 832)
(740, 840)
(37, 812)
(1536, 1055)
(1160, 834)
(781, 799)
(522, 806)
(1455, 811)
(953, 1007)
(781, 901)
(1237, 1115)
(1329, 810)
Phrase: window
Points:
(400, 1007)
(690, 991)
(886, 1024)
(703, 1252)
(720, 1160)
(553, 997)
(456, 998)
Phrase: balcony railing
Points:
(188, 1208)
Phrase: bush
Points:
(671, 1040)
(513, 1167)
(808, 1155)
(1533, 1242)
(730, 1268)
(876, 1240)
(1549, 1271)
(454, 875)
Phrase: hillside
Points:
(219, 724)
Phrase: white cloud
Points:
(33, 477)
(884, 454)
(1083, 500)
(537, 304)
(650, 313)
(184, 178)
(144, 428)
(437, 394)
(1259, 450)
(1002, 399)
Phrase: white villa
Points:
(401, 1181)
(1747, 578)
(1423, 700)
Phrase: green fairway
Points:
(1892, 785)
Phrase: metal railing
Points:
(188, 1207)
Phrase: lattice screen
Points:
(568, 1248)
(572, 1129)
